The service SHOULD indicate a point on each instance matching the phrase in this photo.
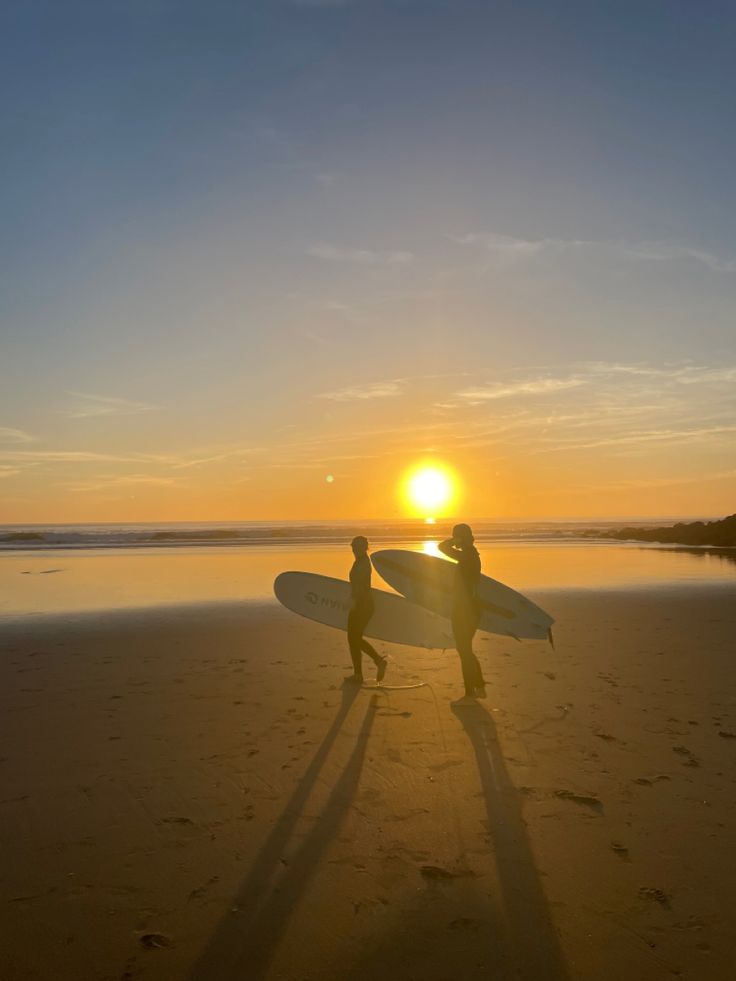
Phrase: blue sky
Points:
(216, 215)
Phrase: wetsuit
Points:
(465, 610)
(360, 614)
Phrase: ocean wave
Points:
(42, 537)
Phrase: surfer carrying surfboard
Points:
(361, 611)
(465, 608)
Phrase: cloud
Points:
(74, 456)
(511, 247)
(665, 252)
(657, 435)
(213, 455)
(335, 253)
(507, 244)
(616, 406)
(532, 386)
(364, 393)
(326, 179)
(88, 406)
(14, 436)
(112, 481)
(647, 483)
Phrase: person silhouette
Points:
(361, 611)
(465, 608)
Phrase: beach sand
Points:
(189, 793)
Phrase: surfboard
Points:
(428, 581)
(396, 620)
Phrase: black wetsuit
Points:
(466, 610)
(360, 614)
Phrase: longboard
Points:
(428, 581)
(395, 620)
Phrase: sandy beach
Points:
(190, 793)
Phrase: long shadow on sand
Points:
(533, 941)
(244, 944)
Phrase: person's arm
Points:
(450, 549)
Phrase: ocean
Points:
(243, 533)
(70, 569)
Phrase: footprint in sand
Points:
(690, 760)
(655, 896)
(621, 850)
(650, 781)
(438, 767)
(155, 941)
(437, 874)
(583, 800)
(608, 738)
(465, 923)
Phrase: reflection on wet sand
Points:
(115, 579)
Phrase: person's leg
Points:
(355, 632)
(362, 621)
(480, 681)
(465, 653)
(368, 649)
(468, 661)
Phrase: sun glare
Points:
(429, 490)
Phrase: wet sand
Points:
(190, 794)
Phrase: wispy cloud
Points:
(647, 483)
(624, 408)
(201, 457)
(651, 436)
(75, 456)
(674, 374)
(88, 406)
(15, 436)
(113, 481)
(326, 178)
(532, 386)
(338, 253)
(364, 393)
(666, 252)
(511, 247)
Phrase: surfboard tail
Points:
(551, 638)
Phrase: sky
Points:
(248, 246)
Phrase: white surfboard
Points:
(395, 620)
(428, 581)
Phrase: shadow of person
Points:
(246, 941)
(533, 941)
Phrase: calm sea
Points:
(76, 568)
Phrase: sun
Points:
(429, 490)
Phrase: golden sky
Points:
(260, 244)
(595, 440)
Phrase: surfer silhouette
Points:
(465, 608)
(361, 612)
